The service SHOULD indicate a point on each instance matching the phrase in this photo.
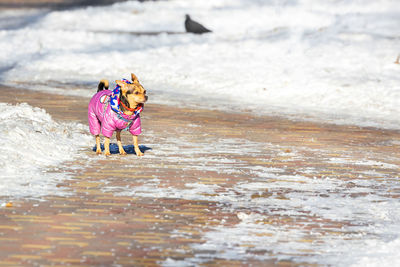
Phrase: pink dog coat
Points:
(105, 120)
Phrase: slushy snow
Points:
(328, 220)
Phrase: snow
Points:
(33, 145)
(384, 254)
(320, 60)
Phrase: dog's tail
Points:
(103, 84)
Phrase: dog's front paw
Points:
(98, 152)
(138, 152)
(123, 153)
(107, 153)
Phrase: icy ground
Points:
(321, 60)
(346, 213)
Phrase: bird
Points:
(194, 27)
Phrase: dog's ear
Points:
(122, 85)
(134, 78)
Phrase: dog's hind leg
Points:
(120, 147)
(107, 146)
(98, 148)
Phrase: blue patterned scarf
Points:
(114, 100)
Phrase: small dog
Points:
(116, 110)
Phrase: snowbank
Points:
(32, 146)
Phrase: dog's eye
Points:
(136, 93)
(144, 91)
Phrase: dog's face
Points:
(133, 93)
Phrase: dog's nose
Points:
(147, 97)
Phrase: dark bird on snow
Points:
(194, 27)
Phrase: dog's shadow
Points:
(129, 149)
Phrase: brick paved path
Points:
(110, 218)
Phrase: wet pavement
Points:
(213, 188)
